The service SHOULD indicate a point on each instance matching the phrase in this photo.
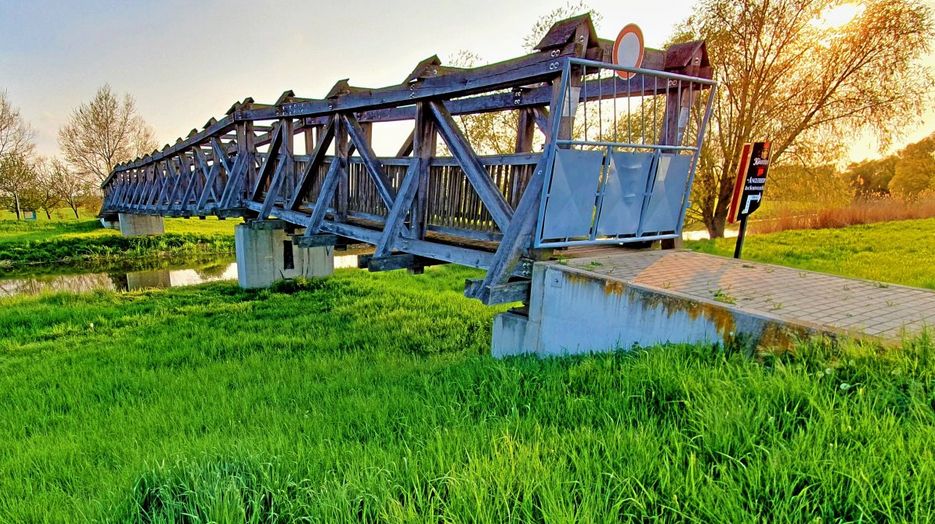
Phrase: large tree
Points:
(807, 75)
(103, 133)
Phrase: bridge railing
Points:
(623, 166)
(569, 181)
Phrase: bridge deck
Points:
(817, 302)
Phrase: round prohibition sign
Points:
(628, 49)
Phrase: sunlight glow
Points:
(838, 16)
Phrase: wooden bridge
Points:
(603, 155)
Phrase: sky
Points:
(185, 61)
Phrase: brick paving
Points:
(840, 304)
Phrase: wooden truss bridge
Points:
(603, 155)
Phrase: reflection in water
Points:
(134, 280)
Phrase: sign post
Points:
(748, 189)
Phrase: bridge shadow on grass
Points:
(369, 397)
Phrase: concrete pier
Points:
(132, 225)
(266, 254)
(645, 298)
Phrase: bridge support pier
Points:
(266, 254)
(132, 225)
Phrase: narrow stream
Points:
(210, 271)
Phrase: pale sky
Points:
(185, 61)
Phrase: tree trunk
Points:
(716, 222)
(75, 209)
(47, 214)
(16, 205)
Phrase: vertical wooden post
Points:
(525, 130)
(288, 147)
(342, 148)
(251, 157)
(311, 134)
(424, 144)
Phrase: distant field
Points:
(900, 252)
(27, 244)
(12, 230)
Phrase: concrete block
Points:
(132, 225)
(575, 312)
(266, 254)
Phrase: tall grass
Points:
(370, 398)
(857, 213)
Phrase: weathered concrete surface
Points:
(263, 250)
(137, 225)
(651, 297)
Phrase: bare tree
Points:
(806, 74)
(103, 133)
(17, 181)
(73, 189)
(44, 191)
(15, 133)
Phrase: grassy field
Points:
(27, 244)
(900, 252)
(369, 397)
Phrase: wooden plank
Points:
(517, 291)
(315, 240)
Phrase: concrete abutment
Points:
(132, 225)
(266, 253)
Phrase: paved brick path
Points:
(831, 302)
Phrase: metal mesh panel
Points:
(575, 178)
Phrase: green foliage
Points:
(900, 252)
(871, 178)
(369, 397)
(915, 169)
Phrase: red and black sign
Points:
(751, 179)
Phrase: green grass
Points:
(900, 252)
(369, 397)
(26, 244)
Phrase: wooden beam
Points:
(476, 173)
(304, 184)
(325, 196)
(369, 158)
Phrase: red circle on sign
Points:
(628, 49)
